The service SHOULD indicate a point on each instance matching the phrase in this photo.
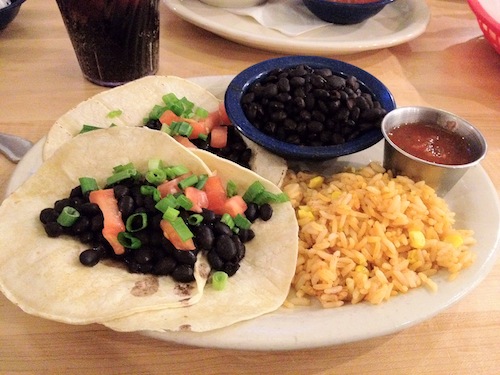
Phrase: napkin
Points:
(290, 17)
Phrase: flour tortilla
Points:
(262, 283)
(44, 276)
(135, 100)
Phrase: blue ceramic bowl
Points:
(239, 85)
(344, 13)
(8, 13)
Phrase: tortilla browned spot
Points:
(148, 286)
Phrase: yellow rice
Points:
(365, 235)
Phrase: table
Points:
(450, 66)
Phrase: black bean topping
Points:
(246, 235)
(215, 261)
(143, 255)
(126, 205)
(205, 237)
(230, 268)
(90, 257)
(53, 229)
(164, 266)
(221, 228)
(252, 212)
(185, 256)
(183, 273)
(48, 215)
(225, 247)
(266, 211)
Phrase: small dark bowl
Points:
(344, 13)
(243, 80)
(8, 13)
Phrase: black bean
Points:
(183, 273)
(252, 212)
(90, 257)
(154, 124)
(266, 211)
(126, 205)
(81, 225)
(120, 191)
(221, 228)
(205, 237)
(89, 209)
(246, 235)
(86, 237)
(53, 229)
(164, 266)
(230, 268)
(214, 260)
(240, 247)
(61, 203)
(97, 223)
(185, 256)
(143, 255)
(48, 215)
(225, 247)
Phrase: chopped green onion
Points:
(123, 167)
(156, 176)
(268, 197)
(68, 216)
(242, 222)
(189, 181)
(185, 129)
(176, 171)
(169, 98)
(184, 202)
(136, 222)
(228, 220)
(182, 229)
(120, 176)
(201, 112)
(231, 189)
(177, 108)
(147, 189)
(219, 280)
(115, 113)
(164, 203)
(171, 214)
(88, 128)
(202, 179)
(129, 241)
(195, 219)
(156, 195)
(88, 184)
(154, 164)
(156, 112)
(203, 136)
(253, 190)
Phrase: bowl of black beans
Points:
(345, 12)
(308, 107)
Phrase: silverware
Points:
(14, 147)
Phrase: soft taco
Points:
(44, 277)
(130, 105)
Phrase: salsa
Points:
(432, 143)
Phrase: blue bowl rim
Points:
(352, 6)
(240, 83)
(13, 4)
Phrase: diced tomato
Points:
(198, 128)
(113, 222)
(218, 136)
(213, 119)
(198, 197)
(235, 205)
(216, 194)
(168, 117)
(224, 118)
(184, 141)
(170, 234)
(170, 187)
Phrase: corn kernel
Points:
(336, 194)
(412, 256)
(305, 214)
(316, 182)
(455, 239)
(362, 269)
(417, 239)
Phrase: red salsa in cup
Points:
(432, 143)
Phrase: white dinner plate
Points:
(397, 23)
(473, 199)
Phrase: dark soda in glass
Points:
(115, 41)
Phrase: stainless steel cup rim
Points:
(479, 139)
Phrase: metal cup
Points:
(441, 177)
